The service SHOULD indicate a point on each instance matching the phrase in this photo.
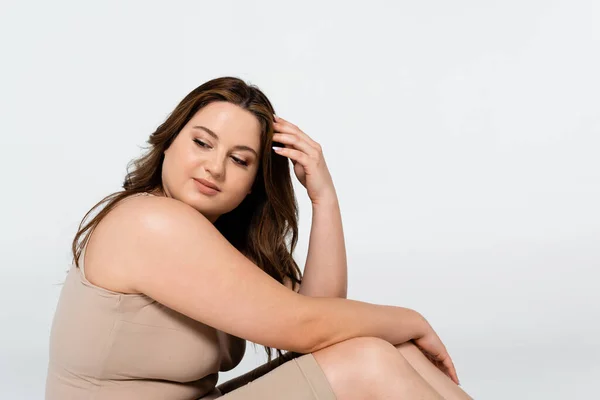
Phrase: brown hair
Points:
(264, 227)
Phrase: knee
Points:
(375, 356)
(364, 358)
(369, 348)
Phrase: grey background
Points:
(462, 136)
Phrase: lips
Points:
(207, 183)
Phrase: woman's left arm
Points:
(325, 271)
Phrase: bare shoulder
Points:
(111, 256)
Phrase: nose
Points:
(215, 166)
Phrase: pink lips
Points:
(203, 187)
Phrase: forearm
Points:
(325, 271)
(342, 319)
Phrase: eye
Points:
(241, 162)
(236, 160)
(200, 143)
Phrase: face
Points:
(220, 144)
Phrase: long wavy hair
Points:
(264, 227)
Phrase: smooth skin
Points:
(168, 248)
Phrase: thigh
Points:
(256, 373)
(430, 373)
(298, 379)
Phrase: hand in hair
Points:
(307, 156)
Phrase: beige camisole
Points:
(110, 345)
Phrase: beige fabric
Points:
(110, 345)
(298, 379)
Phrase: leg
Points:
(430, 373)
(256, 373)
(370, 368)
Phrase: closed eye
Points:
(241, 162)
(200, 142)
(237, 160)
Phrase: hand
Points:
(307, 156)
(433, 348)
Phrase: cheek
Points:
(243, 181)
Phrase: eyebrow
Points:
(216, 137)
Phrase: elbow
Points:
(344, 290)
(341, 292)
(331, 291)
(309, 342)
(315, 331)
(312, 335)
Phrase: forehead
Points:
(232, 123)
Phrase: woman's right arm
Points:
(177, 257)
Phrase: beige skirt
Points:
(300, 378)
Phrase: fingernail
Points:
(276, 148)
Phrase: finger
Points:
(442, 364)
(451, 369)
(295, 141)
(284, 126)
(295, 155)
(449, 365)
(439, 364)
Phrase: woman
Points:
(194, 257)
